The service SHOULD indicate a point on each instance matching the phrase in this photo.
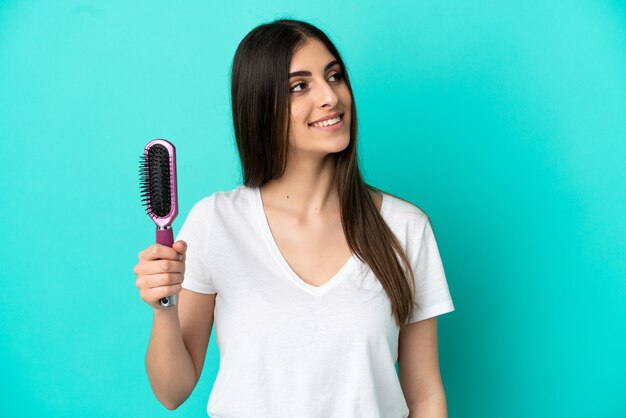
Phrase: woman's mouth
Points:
(329, 125)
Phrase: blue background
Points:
(504, 121)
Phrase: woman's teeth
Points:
(328, 122)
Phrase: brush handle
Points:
(165, 236)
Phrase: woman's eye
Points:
(296, 85)
(339, 76)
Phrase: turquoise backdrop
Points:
(505, 121)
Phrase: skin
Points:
(303, 204)
(419, 373)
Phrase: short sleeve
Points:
(194, 232)
(432, 294)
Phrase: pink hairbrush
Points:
(158, 191)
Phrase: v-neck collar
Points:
(338, 277)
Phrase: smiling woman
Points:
(312, 275)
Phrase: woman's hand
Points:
(160, 272)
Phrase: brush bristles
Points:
(154, 174)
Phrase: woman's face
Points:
(317, 91)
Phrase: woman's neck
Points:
(305, 190)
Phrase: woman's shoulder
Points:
(398, 208)
(224, 199)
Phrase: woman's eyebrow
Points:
(308, 73)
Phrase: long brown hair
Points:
(261, 108)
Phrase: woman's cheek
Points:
(299, 111)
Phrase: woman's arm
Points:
(420, 376)
(177, 347)
(433, 407)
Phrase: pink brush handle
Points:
(166, 237)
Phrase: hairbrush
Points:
(157, 174)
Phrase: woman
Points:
(312, 276)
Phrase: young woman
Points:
(318, 282)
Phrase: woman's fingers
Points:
(160, 251)
(152, 281)
(159, 266)
(160, 271)
(152, 295)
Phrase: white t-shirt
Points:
(290, 349)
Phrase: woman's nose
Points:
(327, 96)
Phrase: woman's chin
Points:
(338, 145)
